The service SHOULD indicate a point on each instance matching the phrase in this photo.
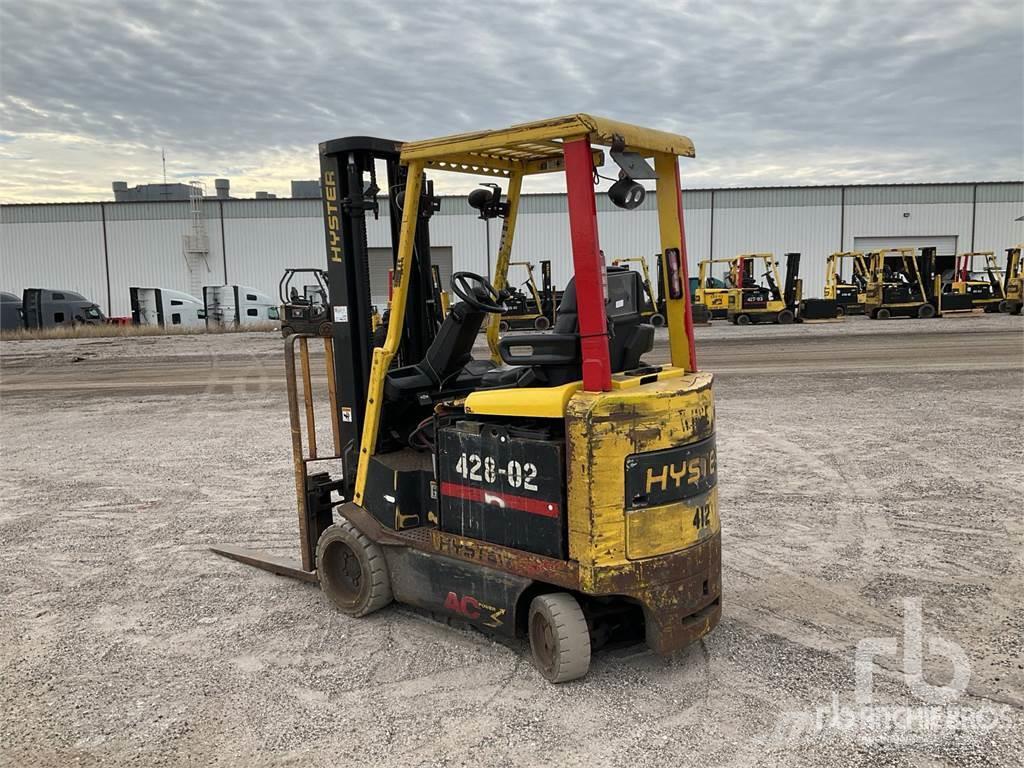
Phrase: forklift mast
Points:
(789, 293)
(928, 281)
(547, 291)
(348, 178)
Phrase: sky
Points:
(819, 92)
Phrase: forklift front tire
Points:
(1004, 307)
(786, 317)
(925, 311)
(503, 326)
(840, 310)
(883, 314)
(559, 637)
(743, 319)
(352, 570)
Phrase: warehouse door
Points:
(380, 263)
(945, 245)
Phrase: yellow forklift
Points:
(751, 301)
(654, 305)
(964, 288)
(713, 292)
(533, 307)
(563, 490)
(1013, 282)
(844, 285)
(899, 283)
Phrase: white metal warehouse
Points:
(100, 249)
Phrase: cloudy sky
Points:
(798, 92)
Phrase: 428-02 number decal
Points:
(485, 469)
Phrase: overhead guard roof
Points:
(536, 147)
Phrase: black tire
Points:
(1004, 307)
(785, 317)
(503, 326)
(882, 314)
(559, 637)
(926, 311)
(287, 330)
(840, 310)
(352, 570)
(325, 330)
(657, 320)
(1016, 309)
(541, 323)
(743, 319)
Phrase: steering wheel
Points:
(464, 285)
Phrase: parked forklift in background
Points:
(533, 307)
(713, 292)
(963, 288)
(1013, 282)
(899, 284)
(754, 302)
(304, 311)
(844, 285)
(654, 303)
(563, 490)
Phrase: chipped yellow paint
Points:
(603, 429)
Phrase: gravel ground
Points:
(847, 485)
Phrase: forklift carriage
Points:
(563, 490)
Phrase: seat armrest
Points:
(540, 349)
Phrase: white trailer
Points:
(165, 307)
(227, 305)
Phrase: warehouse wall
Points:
(61, 246)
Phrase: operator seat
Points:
(448, 363)
(551, 358)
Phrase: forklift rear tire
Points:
(503, 326)
(1004, 307)
(883, 314)
(786, 317)
(541, 323)
(287, 331)
(840, 310)
(657, 320)
(352, 570)
(926, 311)
(559, 637)
(325, 330)
(742, 319)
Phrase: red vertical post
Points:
(688, 315)
(586, 258)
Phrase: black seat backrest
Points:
(555, 354)
(452, 347)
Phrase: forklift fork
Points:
(312, 491)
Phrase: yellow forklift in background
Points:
(899, 284)
(533, 307)
(1013, 282)
(563, 490)
(965, 288)
(753, 302)
(844, 285)
(712, 291)
(654, 305)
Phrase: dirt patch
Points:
(876, 469)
